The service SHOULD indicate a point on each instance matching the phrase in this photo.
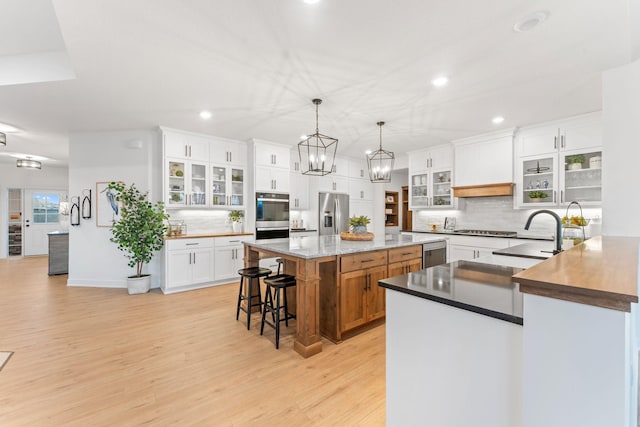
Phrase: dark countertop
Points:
(526, 250)
(453, 233)
(482, 288)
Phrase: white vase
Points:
(575, 166)
(236, 227)
(139, 285)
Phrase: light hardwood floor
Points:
(88, 356)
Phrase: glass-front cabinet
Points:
(227, 186)
(431, 190)
(552, 180)
(187, 184)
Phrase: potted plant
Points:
(139, 232)
(537, 196)
(236, 220)
(359, 224)
(575, 162)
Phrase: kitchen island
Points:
(337, 280)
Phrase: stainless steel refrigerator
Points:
(333, 213)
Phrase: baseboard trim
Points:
(90, 283)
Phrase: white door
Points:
(40, 217)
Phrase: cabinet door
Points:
(358, 170)
(581, 179)
(198, 148)
(419, 191)
(536, 141)
(397, 269)
(219, 185)
(581, 133)
(441, 157)
(299, 191)
(237, 153)
(198, 184)
(224, 265)
(236, 187)
(280, 179)
(457, 252)
(414, 265)
(418, 161)
(442, 196)
(178, 268)
(202, 265)
(263, 179)
(175, 145)
(353, 299)
(341, 167)
(484, 162)
(272, 155)
(376, 294)
(176, 192)
(538, 176)
(360, 189)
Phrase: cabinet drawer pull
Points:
(367, 260)
(234, 241)
(191, 244)
(406, 253)
(555, 142)
(194, 257)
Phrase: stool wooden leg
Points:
(286, 308)
(267, 294)
(239, 298)
(277, 318)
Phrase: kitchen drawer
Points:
(405, 253)
(178, 244)
(362, 261)
(231, 240)
(480, 241)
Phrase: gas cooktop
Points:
(491, 233)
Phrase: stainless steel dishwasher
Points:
(434, 253)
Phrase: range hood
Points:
(484, 190)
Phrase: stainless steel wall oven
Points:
(272, 215)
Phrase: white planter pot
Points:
(139, 285)
(236, 227)
(575, 166)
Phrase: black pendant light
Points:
(317, 151)
(380, 162)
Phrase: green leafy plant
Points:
(578, 158)
(356, 221)
(538, 195)
(141, 228)
(236, 216)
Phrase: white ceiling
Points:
(256, 64)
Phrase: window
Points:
(45, 208)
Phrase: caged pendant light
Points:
(317, 151)
(380, 162)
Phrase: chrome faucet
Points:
(558, 248)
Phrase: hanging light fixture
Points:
(3, 139)
(317, 151)
(380, 162)
(28, 164)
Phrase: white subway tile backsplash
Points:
(203, 221)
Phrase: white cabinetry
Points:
(229, 256)
(340, 167)
(358, 170)
(223, 151)
(185, 146)
(333, 183)
(360, 189)
(430, 178)
(272, 167)
(363, 207)
(471, 247)
(188, 264)
(228, 186)
(485, 159)
(186, 183)
(560, 162)
(298, 185)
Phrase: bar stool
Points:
(253, 274)
(277, 285)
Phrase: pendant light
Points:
(317, 151)
(380, 162)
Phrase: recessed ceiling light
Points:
(497, 120)
(368, 152)
(531, 21)
(303, 137)
(311, 1)
(205, 115)
(5, 128)
(439, 81)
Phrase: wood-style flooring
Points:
(100, 357)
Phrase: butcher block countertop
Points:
(602, 272)
(202, 235)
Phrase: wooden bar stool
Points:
(277, 285)
(253, 275)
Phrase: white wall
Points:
(49, 178)
(107, 156)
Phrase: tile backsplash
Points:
(497, 213)
(203, 221)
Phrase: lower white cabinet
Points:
(472, 247)
(229, 256)
(188, 263)
(459, 252)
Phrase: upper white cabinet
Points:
(272, 155)
(298, 185)
(571, 134)
(272, 179)
(438, 157)
(185, 146)
(560, 162)
(224, 151)
(228, 186)
(431, 178)
(340, 167)
(358, 169)
(186, 183)
(484, 159)
(360, 189)
(332, 183)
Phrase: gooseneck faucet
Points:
(558, 248)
